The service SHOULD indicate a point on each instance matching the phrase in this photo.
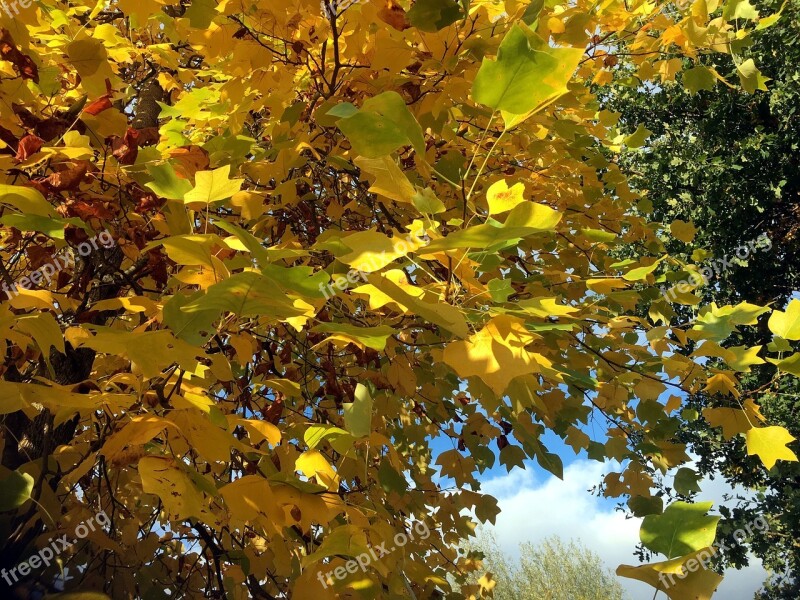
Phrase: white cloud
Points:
(533, 510)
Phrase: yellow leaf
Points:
(682, 578)
(770, 444)
(390, 181)
(683, 231)
(181, 498)
(140, 430)
(371, 251)
(733, 420)
(251, 204)
(744, 358)
(258, 430)
(45, 330)
(212, 186)
(496, 353)
(501, 198)
(487, 582)
(721, 383)
(312, 463)
(786, 324)
(26, 200)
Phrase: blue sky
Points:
(535, 504)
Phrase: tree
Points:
(257, 255)
(726, 160)
(551, 570)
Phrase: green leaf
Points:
(638, 137)
(245, 294)
(500, 289)
(372, 136)
(527, 74)
(345, 540)
(750, 77)
(339, 439)
(525, 219)
(15, 490)
(531, 14)
(391, 480)
(383, 125)
(686, 481)
(51, 227)
(27, 200)
(371, 337)
(358, 414)
(599, 235)
(683, 528)
(698, 78)
(433, 15)
(251, 242)
(427, 203)
(192, 327)
(642, 506)
(166, 182)
(641, 272)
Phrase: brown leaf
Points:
(86, 210)
(8, 137)
(26, 117)
(274, 412)
(68, 179)
(38, 256)
(191, 159)
(157, 267)
(51, 128)
(145, 199)
(23, 62)
(394, 15)
(125, 149)
(28, 146)
(148, 136)
(75, 235)
(98, 106)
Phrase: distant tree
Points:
(728, 161)
(550, 570)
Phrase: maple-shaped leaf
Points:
(496, 354)
(734, 420)
(683, 578)
(770, 444)
(681, 529)
(786, 324)
(212, 186)
(527, 74)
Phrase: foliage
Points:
(248, 433)
(727, 160)
(551, 570)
